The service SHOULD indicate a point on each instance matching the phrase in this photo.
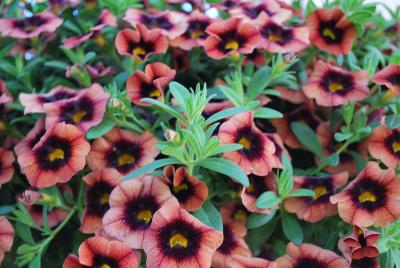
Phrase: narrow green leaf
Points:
(258, 82)
(101, 129)
(307, 137)
(164, 107)
(227, 148)
(209, 215)
(224, 114)
(226, 167)
(392, 121)
(291, 228)
(256, 219)
(267, 200)
(301, 192)
(267, 113)
(154, 165)
(36, 263)
(24, 232)
(332, 160)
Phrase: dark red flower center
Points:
(253, 11)
(231, 40)
(337, 82)
(149, 90)
(124, 155)
(104, 262)
(59, 95)
(364, 263)
(257, 185)
(196, 29)
(251, 142)
(54, 153)
(229, 243)
(240, 214)
(29, 24)
(276, 33)
(179, 239)
(75, 112)
(140, 49)
(368, 194)
(330, 33)
(97, 198)
(322, 187)
(183, 191)
(394, 79)
(229, 3)
(307, 262)
(393, 143)
(156, 21)
(36, 139)
(139, 212)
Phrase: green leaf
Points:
(164, 107)
(154, 165)
(256, 219)
(392, 121)
(258, 82)
(227, 168)
(224, 114)
(332, 160)
(301, 192)
(361, 16)
(24, 232)
(267, 200)
(310, 7)
(227, 148)
(258, 236)
(209, 215)
(6, 209)
(56, 64)
(348, 112)
(36, 263)
(291, 228)
(101, 129)
(307, 137)
(267, 113)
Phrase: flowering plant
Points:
(199, 133)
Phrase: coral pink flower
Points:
(6, 165)
(384, 144)
(333, 86)
(30, 139)
(372, 198)
(178, 239)
(5, 96)
(122, 150)
(362, 243)
(58, 156)
(29, 26)
(331, 31)
(6, 236)
(251, 11)
(235, 211)
(257, 155)
(390, 77)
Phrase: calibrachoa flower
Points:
(99, 71)
(280, 39)
(188, 190)
(308, 255)
(30, 139)
(99, 184)
(226, 5)
(390, 77)
(5, 96)
(6, 236)
(233, 244)
(177, 239)
(365, 263)
(372, 198)
(362, 243)
(244, 262)
(231, 36)
(141, 43)
(257, 154)
(132, 208)
(6, 165)
(291, 95)
(150, 83)
(279, 147)
(253, 10)
(99, 252)
(29, 26)
(58, 156)
(34, 103)
(122, 150)
(234, 211)
(384, 144)
(84, 110)
(195, 34)
(105, 19)
(316, 207)
(172, 24)
(257, 186)
(333, 86)
(331, 31)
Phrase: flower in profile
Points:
(291, 95)
(226, 5)
(97, 251)
(132, 207)
(278, 38)
(99, 71)
(316, 207)
(333, 86)
(257, 154)
(251, 11)
(257, 57)
(235, 211)
(59, 155)
(188, 190)
(99, 184)
(5, 95)
(384, 144)
(122, 150)
(30, 139)
(231, 36)
(308, 255)
(178, 239)
(29, 26)
(362, 243)
(6, 165)
(84, 110)
(106, 18)
(150, 83)
(34, 103)
(279, 147)
(6, 236)
(233, 244)
(390, 77)
(141, 43)
(257, 186)
(331, 31)
(171, 24)
(195, 34)
(372, 198)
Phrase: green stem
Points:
(30, 226)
